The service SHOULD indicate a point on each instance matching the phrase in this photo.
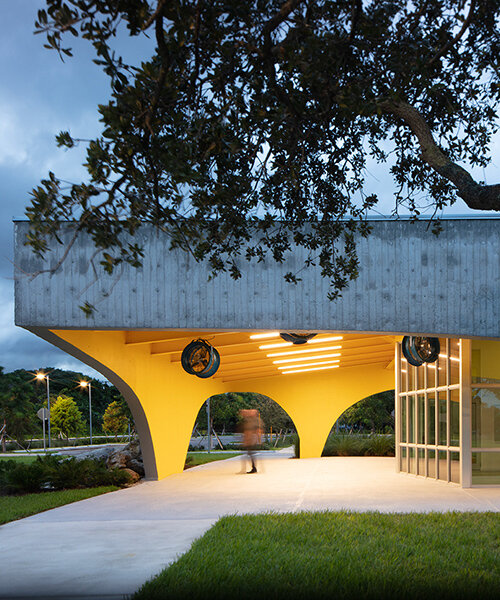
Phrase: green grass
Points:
(17, 507)
(193, 459)
(339, 556)
(26, 460)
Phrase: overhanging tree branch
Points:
(475, 195)
(442, 51)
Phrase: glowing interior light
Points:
(301, 358)
(277, 345)
(314, 364)
(404, 371)
(334, 338)
(433, 367)
(305, 351)
(263, 336)
(451, 357)
(311, 369)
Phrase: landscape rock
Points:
(96, 454)
(129, 457)
(134, 477)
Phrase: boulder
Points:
(134, 477)
(96, 454)
(129, 457)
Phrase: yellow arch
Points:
(165, 400)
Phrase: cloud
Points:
(21, 349)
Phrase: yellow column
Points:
(164, 400)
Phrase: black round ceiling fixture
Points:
(297, 338)
(200, 358)
(418, 350)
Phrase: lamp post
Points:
(86, 384)
(41, 376)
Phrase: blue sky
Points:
(40, 96)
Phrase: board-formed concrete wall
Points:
(410, 281)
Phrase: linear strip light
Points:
(314, 364)
(313, 369)
(308, 350)
(301, 358)
(263, 336)
(451, 357)
(334, 338)
(277, 345)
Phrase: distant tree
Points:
(17, 406)
(65, 417)
(375, 413)
(224, 411)
(115, 420)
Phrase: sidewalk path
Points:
(107, 546)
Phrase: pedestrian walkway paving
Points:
(107, 546)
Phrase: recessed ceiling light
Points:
(311, 369)
(314, 364)
(301, 358)
(305, 351)
(263, 336)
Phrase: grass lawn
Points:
(193, 459)
(17, 507)
(339, 555)
(21, 459)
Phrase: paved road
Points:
(106, 547)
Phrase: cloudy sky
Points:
(40, 96)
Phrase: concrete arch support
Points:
(163, 399)
(314, 401)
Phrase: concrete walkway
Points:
(106, 547)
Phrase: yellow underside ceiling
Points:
(244, 358)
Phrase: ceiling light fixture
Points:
(313, 369)
(334, 338)
(314, 364)
(301, 358)
(263, 336)
(308, 350)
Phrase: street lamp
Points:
(86, 384)
(41, 376)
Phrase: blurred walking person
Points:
(251, 429)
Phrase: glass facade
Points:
(485, 413)
(429, 409)
(448, 414)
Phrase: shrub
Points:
(344, 445)
(380, 445)
(54, 473)
(22, 478)
(359, 445)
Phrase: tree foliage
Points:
(375, 413)
(115, 420)
(224, 411)
(18, 405)
(249, 130)
(65, 416)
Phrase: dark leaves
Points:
(243, 145)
